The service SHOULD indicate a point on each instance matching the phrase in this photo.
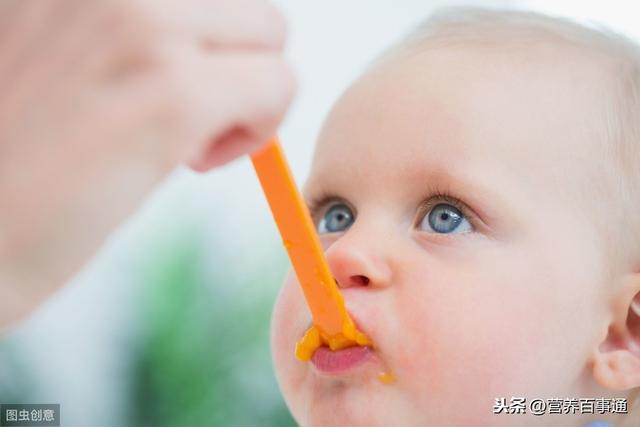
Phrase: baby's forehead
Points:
(472, 109)
(476, 89)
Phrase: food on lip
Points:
(315, 338)
(386, 377)
(332, 325)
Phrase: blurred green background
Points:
(202, 357)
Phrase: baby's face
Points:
(449, 192)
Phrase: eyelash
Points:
(324, 202)
(435, 196)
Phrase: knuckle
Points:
(281, 81)
(131, 32)
(275, 26)
(278, 27)
(134, 23)
(123, 16)
(173, 99)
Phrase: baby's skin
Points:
(453, 191)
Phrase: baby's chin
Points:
(338, 403)
(357, 398)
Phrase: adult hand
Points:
(99, 100)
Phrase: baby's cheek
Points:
(289, 319)
(461, 339)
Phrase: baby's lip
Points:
(341, 361)
(351, 360)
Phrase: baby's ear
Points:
(616, 362)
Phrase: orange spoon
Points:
(332, 324)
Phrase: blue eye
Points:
(444, 219)
(338, 218)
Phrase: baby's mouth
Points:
(315, 337)
(340, 361)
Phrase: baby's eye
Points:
(444, 218)
(338, 218)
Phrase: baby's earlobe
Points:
(617, 370)
(616, 363)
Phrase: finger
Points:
(222, 23)
(208, 109)
(21, 31)
(250, 95)
(231, 144)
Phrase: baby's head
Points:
(477, 192)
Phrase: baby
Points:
(477, 193)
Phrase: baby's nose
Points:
(353, 264)
(357, 280)
(353, 281)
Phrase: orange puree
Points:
(314, 338)
(386, 377)
(332, 324)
